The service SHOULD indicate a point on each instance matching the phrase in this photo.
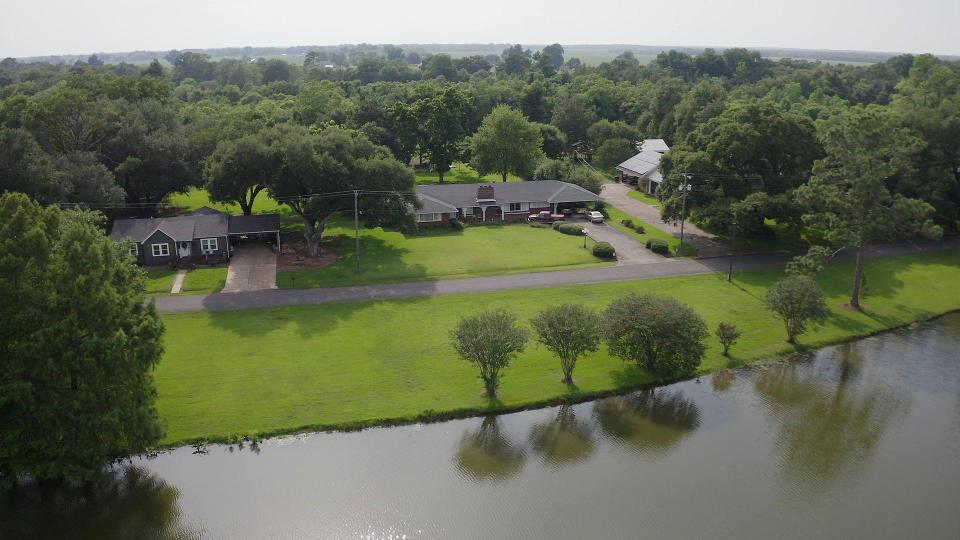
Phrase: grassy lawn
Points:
(359, 363)
(644, 198)
(159, 280)
(441, 253)
(462, 173)
(650, 231)
(204, 280)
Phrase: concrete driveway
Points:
(629, 251)
(252, 268)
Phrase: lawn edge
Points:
(430, 416)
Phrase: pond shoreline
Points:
(432, 417)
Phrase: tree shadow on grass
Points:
(380, 261)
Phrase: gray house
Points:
(643, 169)
(512, 201)
(202, 237)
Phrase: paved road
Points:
(617, 195)
(288, 297)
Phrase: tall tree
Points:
(443, 120)
(555, 53)
(568, 331)
(78, 345)
(238, 170)
(515, 60)
(573, 115)
(506, 143)
(848, 198)
(318, 171)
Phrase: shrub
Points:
(628, 223)
(538, 225)
(603, 250)
(658, 333)
(556, 225)
(659, 246)
(797, 300)
(489, 340)
(728, 334)
(568, 331)
(571, 229)
(456, 224)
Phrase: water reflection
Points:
(721, 381)
(487, 454)
(828, 424)
(650, 421)
(128, 503)
(563, 440)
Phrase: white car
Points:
(595, 217)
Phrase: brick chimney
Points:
(485, 193)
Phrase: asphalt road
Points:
(291, 297)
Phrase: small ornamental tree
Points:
(728, 334)
(568, 331)
(797, 301)
(658, 333)
(489, 340)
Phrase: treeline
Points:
(745, 131)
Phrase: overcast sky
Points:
(40, 27)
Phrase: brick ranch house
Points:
(643, 169)
(204, 236)
(509, 202)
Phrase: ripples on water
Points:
(859, 440)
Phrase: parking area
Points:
(253, 267)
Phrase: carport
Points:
(265, 227)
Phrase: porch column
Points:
(278, 242)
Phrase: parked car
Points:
(595, 217)
(545, 217)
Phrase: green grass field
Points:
(159, 280)
(360, 363)
(461, 173)
(204, 280)
(644, 198)
(441, 253)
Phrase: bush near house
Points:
(570, 228)
(658, 246)
(603, 250)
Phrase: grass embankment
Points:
(343, 365)
(649, 231)
(442, 253)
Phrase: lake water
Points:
(855, 441)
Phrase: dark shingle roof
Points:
(254, 224)
(197, 225)
(452, 196)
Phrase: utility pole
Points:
(356, 227)
(685, 186)
(733, 248)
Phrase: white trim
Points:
(208, 248)
(133, 249)
(163, 251)
(467, 210)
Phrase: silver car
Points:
(595, 217)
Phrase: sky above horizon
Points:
(43, 27)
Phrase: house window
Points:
(423, 218)
(160, 250)
(132, 249)
(468, 211)
(208, 245)
(518, 206)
